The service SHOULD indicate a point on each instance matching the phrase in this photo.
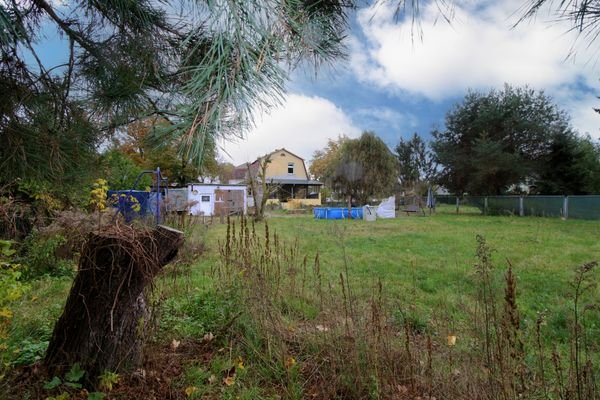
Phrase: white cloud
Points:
(478, 50)
(302, 125)
(584, 119)
(387, 116)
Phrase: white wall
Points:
(204, 197)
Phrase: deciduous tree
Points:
(323, 162)
(366, 167)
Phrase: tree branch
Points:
(65, 26)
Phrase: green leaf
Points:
(5, 248)
(96, 396)
(73, 385)
(75, 374)
(54, 383)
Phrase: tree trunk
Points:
(105, 317)
(350, 207)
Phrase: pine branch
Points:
(65, 26)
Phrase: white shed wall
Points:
(204, 197)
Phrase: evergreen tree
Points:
(416, 162)
(203, 66)
(495, 140)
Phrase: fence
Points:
(580, 207)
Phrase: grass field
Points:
(263, 308)
(429, 261)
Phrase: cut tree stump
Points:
(104, 321)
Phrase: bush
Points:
(11, 289)
(43, 256)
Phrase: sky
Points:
(398, 80)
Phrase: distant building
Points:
(286, 177)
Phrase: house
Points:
(287, 179)
(216, 199)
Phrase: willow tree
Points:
(366, 167)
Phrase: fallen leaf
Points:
(451, 340)
(290, 362)
(240, 363)
(208, 337)
(175, 344)
(402, 389)
(322, 328)
(230, 380)
(190, 390)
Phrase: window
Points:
(205, 199)
(291, 168)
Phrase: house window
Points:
(205, 199)
(291, 168)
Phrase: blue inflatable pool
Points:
(337, 213)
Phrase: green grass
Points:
(425, 265)
(34, 316)
(428, 262)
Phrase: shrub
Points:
(44, 256)
(11, 289)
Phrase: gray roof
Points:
(291, 181)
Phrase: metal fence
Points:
(580, 207)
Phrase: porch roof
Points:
(291, 181)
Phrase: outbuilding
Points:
(217, 199)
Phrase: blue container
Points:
(122, 200)
(337, 213)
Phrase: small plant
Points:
(98, 195)
(29, 352)
(72, 381)
(582, 284)
(107, 379)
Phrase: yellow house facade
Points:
(287, 178)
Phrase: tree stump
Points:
(105, 317)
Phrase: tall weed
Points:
(356, 341)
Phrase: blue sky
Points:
(398, 80)
(396, 83)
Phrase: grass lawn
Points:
(428, 262)
(426, 266)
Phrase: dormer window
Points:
(291, 168)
